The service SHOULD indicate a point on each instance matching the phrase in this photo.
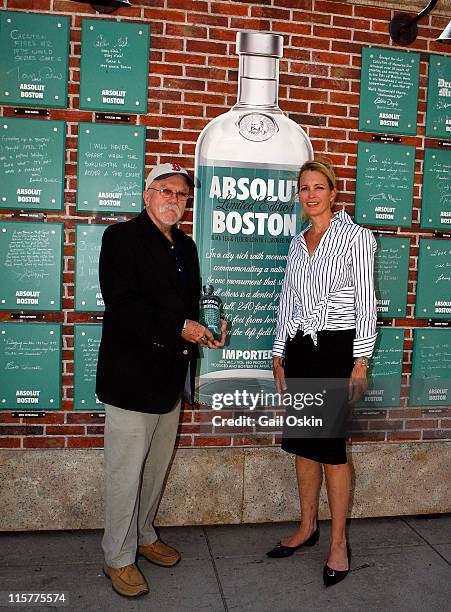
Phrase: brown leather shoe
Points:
(127, 581)
(160, 553)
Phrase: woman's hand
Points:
(357, 383)
(279, 375)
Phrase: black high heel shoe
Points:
(280, 551)
(331, 576)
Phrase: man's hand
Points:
(279, 375)
(198, 334)
(357, 383)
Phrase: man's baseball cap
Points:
(162, 171)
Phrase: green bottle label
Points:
(245, 219)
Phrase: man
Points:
(149, 277)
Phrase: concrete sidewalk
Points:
(400, 563)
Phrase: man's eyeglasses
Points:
(168, 194)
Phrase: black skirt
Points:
(331, 358)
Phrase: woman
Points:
(326, 328)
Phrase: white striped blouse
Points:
(333, 289)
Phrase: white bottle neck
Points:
(258, 81)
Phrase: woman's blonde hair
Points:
(320, 165)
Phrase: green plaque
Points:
(245, 221)
(436, 195)
(384, 188)
(391, 272)
(86, 348)
(438, 113)
(32, 155)
(114, 67)
(30, 366)
(434, 280)
(385, 370)
(88, 240)
(389, 91)
(110, 169)
(431, 368)
(30, 265)
(34, 49)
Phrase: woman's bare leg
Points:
(338, 484)
(308, 474)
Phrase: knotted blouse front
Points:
(333, 289)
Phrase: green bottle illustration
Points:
(210, 311)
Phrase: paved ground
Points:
(397, 564)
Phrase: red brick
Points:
(293, 27)
(249, 24)
(311, 16)
(188, 149)
(224, 8)
(222, 34)
(347, 47)
(205, 46)
(184, 84)
(310, 43)
(64, 430)
(333, 7)
(21, 430)
(422, 424)
(350, 22)
(173, 44)
(403, 436)
(185, 58)
(87, 442)
(180, 135)
(161, 121)
(154, 14)
(185, 109)
(7, 417)
(296, 4)
(298, 55)
(186, 30)
(373, 38)
(194, 124)
(173, 69)
(45, 442)
(270, 12)
(9, 442)
(212, 441)
(189, 5)
(337, 33)
(331, 58)
(92, 430)
(164, 147)
(314, 69)
(31, 5)
(372, 12)
(72, 7)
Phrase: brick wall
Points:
(193, 75)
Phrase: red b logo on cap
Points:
(176, 167)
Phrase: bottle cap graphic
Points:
(259, 43)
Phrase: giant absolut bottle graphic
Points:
(246, 209)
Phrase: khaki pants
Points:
(138, 449)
